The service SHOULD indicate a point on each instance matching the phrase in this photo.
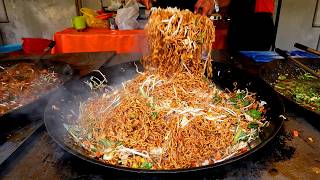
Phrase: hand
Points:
(146, 3)
(205, 5)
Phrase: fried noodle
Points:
(170, 117)
(179, 41)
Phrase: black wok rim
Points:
(173, 171)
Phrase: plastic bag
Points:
(91, 19)
(113, 5)
(127, 16)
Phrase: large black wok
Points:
(271, 71)
(68, 66)
(33, 110)
(64, 107)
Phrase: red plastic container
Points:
(34, 46)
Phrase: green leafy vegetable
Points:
(233, 100)
(154, 115)
(119, 143)
(240, 135)
(279, 87)
(307, 76)
(255, 114)
(240, 95)
(146, 165)
(150, 104)
(73, 130)
(246, 103)
(253, 125)
(303, 89)
(94, 149)
(283, 77)
(216, 98)
(105, 142)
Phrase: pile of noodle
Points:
(170, 117)
(179, 41)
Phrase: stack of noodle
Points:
(167, 116)
(179, 41)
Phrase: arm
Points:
(207, 6)
(224, 3)
(146, 3)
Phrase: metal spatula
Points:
(38, 61)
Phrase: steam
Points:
(64, 107)
(31, 109)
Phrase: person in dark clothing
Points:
(251, 27)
